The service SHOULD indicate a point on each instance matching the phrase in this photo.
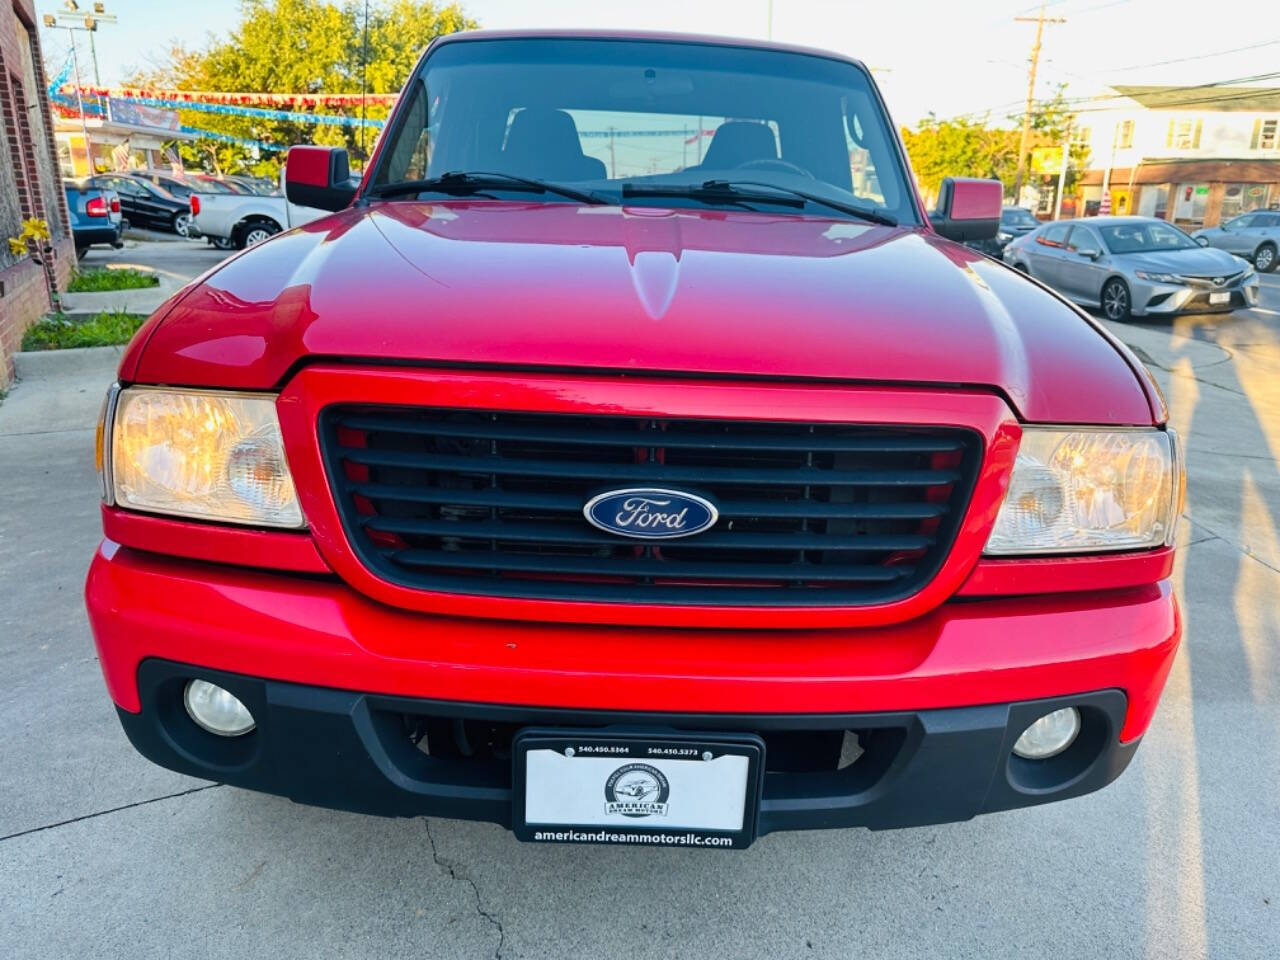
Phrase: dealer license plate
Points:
(668, 789)
(1224, 297)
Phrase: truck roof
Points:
(650, 36)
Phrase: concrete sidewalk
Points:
(58, 390)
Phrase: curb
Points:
(143, 300)
(1162, 348)
(46, 364)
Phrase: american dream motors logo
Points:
(637, 790)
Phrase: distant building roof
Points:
(1211, 98)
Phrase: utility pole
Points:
(1039, 20)
(364, 70)
(769, 26)
(1062, 174)
(611, 158)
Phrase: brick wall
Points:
(30, 185)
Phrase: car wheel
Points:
(1265, 258)
(259, 231)
(181, 224)
(1115, 299)
(1022, 268)
(80, 252)
(223, 243)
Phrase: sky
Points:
(949, 58)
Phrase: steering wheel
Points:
(769, 163)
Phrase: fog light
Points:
(216, 710)
(1049, 735)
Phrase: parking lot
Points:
(103, 854)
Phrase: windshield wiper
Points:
(728, 191)
(474, 181)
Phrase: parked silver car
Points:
(1133, 266)
(1254, 236)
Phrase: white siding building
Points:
(1193, 155)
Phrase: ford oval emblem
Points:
(650, 513)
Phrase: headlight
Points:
(1004, 237)
(1085, 490)
(1249, 274)
(1159, 277)
(205, 454)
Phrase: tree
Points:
(959, 148)
(303, 47)
(967, 148)
(1052, 121)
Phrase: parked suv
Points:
(1254, 236)
(621, 462)
(95, 214)
(1014, 223)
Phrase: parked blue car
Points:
(95, 214)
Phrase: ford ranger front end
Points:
(630, 459)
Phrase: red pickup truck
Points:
(629, 458)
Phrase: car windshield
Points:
(1017, 217)
(601, 115)
(202, 185)
(1150, 237)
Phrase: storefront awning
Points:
(1188, 171)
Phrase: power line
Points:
(1199, 56)
(1095, 98)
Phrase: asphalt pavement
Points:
(104, 855)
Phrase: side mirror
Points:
(968, 209)
(1089, 253)
(1203, 241)
(319, 177)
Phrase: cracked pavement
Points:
(105, 855)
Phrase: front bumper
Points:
(1167, 299)
(331, 676)
(354, 751)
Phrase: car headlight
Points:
(1158, 277)
(1085, 490)
(1004, 237)
(199, 453)
(1249, 274)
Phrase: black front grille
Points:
(465, 501)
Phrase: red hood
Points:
(639, 289)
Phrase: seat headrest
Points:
(737, 142)
(544, 143)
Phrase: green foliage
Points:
(101, 280)
(967, 148)
(960, 148)
(303, 46)
(60, 332)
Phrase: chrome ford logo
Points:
(650, 513)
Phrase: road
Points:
(104, 855)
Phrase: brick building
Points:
(30, 185)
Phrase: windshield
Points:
(1152, 237)
(601, 114)
(1017, 217)
(212, 186)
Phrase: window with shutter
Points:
(1265, 134)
